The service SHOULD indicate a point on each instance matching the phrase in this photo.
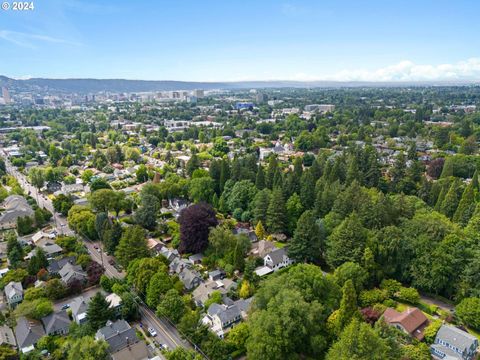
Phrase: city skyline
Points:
(219, 41)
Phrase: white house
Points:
(277, 259)
(14, 293)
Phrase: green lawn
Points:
(401, 307)
(474, 332)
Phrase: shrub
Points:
(468, 311)
(409, 295)
(370, 315)
(391, 286)
(390, 303)
(372, 297)
(431, 331)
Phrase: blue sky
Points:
(228, 40)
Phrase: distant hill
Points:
(83, 86)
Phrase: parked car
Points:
(152, 331)
(65, 306)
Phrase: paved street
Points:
(166, 333)
(87, 294)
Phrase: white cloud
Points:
(30, 40)
(409, 71)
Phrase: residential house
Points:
(136, 351)
(154, 246)
(27, 333)
(56, 265)
(15, 206)
(115, 302)
(79, 308)
(70, 273)
(262, 248)
(169, 254)
(411, 321)
(56, 323)
(452, 343)
(190, 278)
(216, 275)
(118, 335)
(41, 237)
(221, 317)
(53, 186)
(277, 259)
(14, 293)
(74, 188)
(248, 232)
(204, 291)
(196, 259)
(51, 250)
(6, 336)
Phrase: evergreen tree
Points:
(272, 170)
(307, 190)
(447, 170)
(215, 171)
(276, 213)
(360, 342)
(260, 179)
(475, 184)
(307, 243)
(192, 164)
(111, 237)
(98, 312)
(294, 210)
(224, 173)
(14, 250)
(37, 262)
(236, 170)
(466, 206)
(353, 172)
(348, 305)
(347, 241)
(452, 199)
(260, 206)
(132, 245)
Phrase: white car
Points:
(152, 331)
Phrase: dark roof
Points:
(277, 255)
(56, 321)
(117, 334)
(56, 265)
(136, 351)
(28, 332)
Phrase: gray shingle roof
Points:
(70, 271)
(78, 305)
(227, 314)
(456, 337)
(277, 255)
(117, 334)
(13, 288)
(28, 332)
(56, 265)
(56, 322)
